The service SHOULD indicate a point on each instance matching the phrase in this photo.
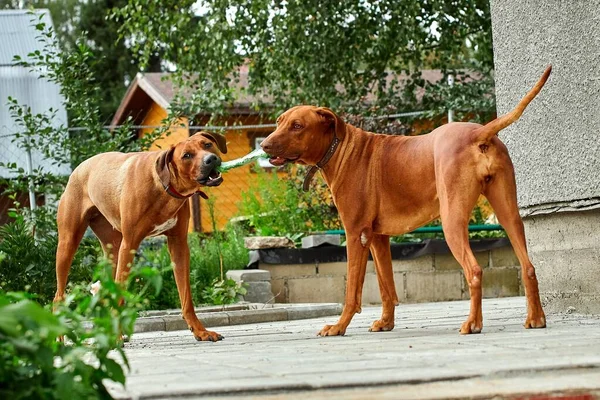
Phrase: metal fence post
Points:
(450, 112)
(32, 204)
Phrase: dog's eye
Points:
(187, 156)
(297, 126)
(207, 145)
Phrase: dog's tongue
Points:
(277, 161)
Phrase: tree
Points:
(322, 52)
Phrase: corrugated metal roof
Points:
(18, 37)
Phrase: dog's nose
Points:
(211, 160)
(266, 146)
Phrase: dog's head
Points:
(303, 135)
(193, 161)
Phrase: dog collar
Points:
(174, 193)
(313, 169)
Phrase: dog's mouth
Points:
(279, 161)
(214, 178)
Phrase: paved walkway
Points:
(424, 357)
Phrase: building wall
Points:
(555, 146)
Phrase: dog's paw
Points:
(381, 326)
(207, 336)
(471, 326)
(535, 321)
(332, 330)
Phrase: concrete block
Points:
(445, 262)
(249, 275)
(175, 323)
(149, 324)
(569, 278)
(371, 266)
(313, 311)
(370, 293)
(424, 263)
(290, 270)
(267, 242)
(500, 282)
(333, 268)
(214, 319)
(563, 231)
(433, 286)
(400, 283)
(318, 240)
(257, 316)
(504, 257)
(279, 290)
(323, 289)
(259, 292)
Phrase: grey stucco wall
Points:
(555, 146)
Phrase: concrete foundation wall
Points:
(428, 278)
(565, 249)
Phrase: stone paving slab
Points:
(424, 357)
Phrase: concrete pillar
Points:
(258, 284)
(555, 146)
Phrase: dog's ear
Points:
(219, 140)
(162, 166)
(332, 118)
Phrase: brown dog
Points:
(125, 198)
(387, 185)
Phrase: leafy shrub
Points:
(223, 291)
(29, 260)
(275, 205)
(34, 365)
(210, 257)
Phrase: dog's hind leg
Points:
(501, 192)
(380, 248)
(72, 223)
(458, 194)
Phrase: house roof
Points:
(156, 87)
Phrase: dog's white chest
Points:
(165, 226)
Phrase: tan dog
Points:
(387, 185)
(125, 198)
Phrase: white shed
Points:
(18, 37)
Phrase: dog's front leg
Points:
(180, 255)
(357, 247)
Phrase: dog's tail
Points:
(491, 129)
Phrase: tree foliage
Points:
(323, 52)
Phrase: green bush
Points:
(28, 262)
(206, 254)
(224, 291)
(34, 365)
(277, 206)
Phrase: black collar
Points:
(313, 169)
